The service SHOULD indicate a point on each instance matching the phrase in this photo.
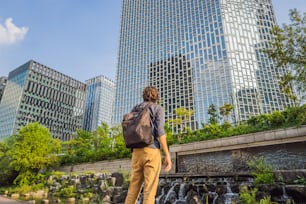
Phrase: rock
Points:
(106, 200)
(15, 196)
(119, 179)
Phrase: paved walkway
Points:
(4, 200)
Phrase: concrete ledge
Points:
(280, 136)
(101, 166)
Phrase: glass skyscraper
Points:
(198, 53)
(3, 81)
(36, 93)
(99, 102)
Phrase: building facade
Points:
(198, 53)
(37, 93)
(3, 81)
(99, 102)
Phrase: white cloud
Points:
(10, 33)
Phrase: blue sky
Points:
(76, 37)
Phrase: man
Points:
(146, 161)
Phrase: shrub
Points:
(295, 115)
(261, 170)
(247, 196)
(260, 121)
(300, 180)
(277, 119)
(267, 200)
(68, 192)
(213, 130)
(226, 125)
(57, 174)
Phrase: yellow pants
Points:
(146, 165)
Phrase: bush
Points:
(213, 130)
(261, 170)
(68, 192)
(247, 196)
(295, 115)
(277, 119)
(260, 121)
(300, 180)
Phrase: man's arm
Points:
(164, 146)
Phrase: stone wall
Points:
(101, 166)
(285, 149)
(281, 157)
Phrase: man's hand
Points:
(164, 146)
(168, 163)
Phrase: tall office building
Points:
(198, 53)
(3, 81)
(36, 93)
(99, 102)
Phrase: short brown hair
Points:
(150, 93)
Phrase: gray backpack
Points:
(137, 127)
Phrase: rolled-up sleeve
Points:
(159, 121)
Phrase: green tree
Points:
(83, 145)
(288, 47)
(7, 173)
(226, 110)
(79, 149)
(34, 150)
(261, 170)
(119, 148)
(169, 133)
(212, 112)
(104, 141)
(183, 116)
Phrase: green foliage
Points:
(226, 110)
(83, 144)
(30, 178)
(300, 180)
(107, 144)
(226, 126)
(182, 117)
(248, 196)
(244, 129)
(295, 115)
(261, 170)
(288, 47)
(33, 150)
(126, 175)
(212, 112)
(57, 174)
(212, 129)
(169, 133)
(119, 150)
(266, 200)
(262, 121)
(103, 144)
(277, 119)
(26, 188)
(68, 192)
(21, 189)
(7, 172)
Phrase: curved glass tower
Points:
(198, 53)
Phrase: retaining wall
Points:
(101, 166)
(285, 149)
